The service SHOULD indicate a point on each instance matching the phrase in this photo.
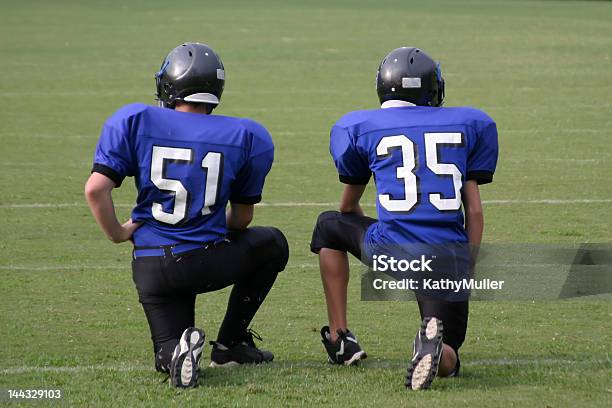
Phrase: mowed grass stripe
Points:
(329, 204)
(102, 267)
(550, 362)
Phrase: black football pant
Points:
(167, 285)
(345, 232)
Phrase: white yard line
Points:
(45, 205)
(322, 204)
(89, 164)
(559, 160)
(302, 364)
(323, 161)
(75, 369)
(555, 130)
(551, 201)
(49, 136)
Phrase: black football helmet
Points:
(408, 74)
(191, 72)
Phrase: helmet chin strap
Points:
(163, 104)
(441, 85)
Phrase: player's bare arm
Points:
(474, 215)
(98, 191)
(349, 202)
(239, 216)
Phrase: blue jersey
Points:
(420, 158)
(186, 166)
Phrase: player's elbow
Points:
(474, 214)
(114, 240)
(91, 190)
(240, 216)
(97, 186)
(93, 193)
(240, 223)
(350, 207)
(246, 219)
(347, 208)
(349, 202)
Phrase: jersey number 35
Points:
(406, 170)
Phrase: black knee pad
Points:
(320, 234)
(326, 216)
(282, 246)
(163, 355)
(270, 245)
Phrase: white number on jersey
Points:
(211, 162)
(406, 173)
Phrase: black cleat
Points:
(427, 351)
(186, 359)
(244, 352)
(345, 350)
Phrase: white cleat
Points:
(186, 359)
(427, 351)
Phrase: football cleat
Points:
(186, 359)
(426, 354)
(345, 350)
(244, 352)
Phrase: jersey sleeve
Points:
(249, 183)
(482, 158)
(352, 166)
(113, 156)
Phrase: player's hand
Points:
(126, 231)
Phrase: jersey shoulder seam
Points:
(145, 136)
(415, 126)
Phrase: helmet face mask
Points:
(191, 72)
(409, 74)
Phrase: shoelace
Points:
(248, 339)
(253, 333)
(342, 334)
(250, 334)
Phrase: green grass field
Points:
(69, 315)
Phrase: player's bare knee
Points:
(448, 362)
